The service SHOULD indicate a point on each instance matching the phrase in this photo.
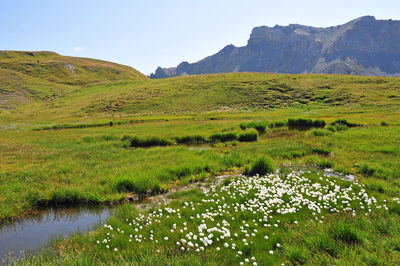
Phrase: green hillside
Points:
(32, 77)
(207, 93)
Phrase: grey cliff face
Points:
(364, 46)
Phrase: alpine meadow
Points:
(239, 168)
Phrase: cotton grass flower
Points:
(265, 201)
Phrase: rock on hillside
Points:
(364, 46)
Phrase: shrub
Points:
(319, 123)
(344, 122)
(148, 142)
(305, 123)
(196, 139)
(262, 166)
(260, 126)
(248, 136)
(222, 137)
(277, 124)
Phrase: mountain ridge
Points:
(364, 46)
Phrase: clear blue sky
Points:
(147, 34)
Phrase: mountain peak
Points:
(363, 46)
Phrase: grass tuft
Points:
(248, 136)
(149, 142)
(261, 166)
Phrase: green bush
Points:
(305, 123)
(277, 124)
(196, 139)
(262, 166)
(248, 136)
(222, 137)
(149, 142)
(344, 122)
(260, 126)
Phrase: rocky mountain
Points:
(364, 46)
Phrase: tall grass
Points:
(222, 137)
(194, 139)
(261, 166)
(260, 126)
(248, 136)
(344, 122)
(149, 142)
(305, 123)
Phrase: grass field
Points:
(75, 147)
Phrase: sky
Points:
(147, 34)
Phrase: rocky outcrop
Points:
(364, 46)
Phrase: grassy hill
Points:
(207, 93)
(31, 77)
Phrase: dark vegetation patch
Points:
(300, 123)
(261, 166)
(222, 137)
(64, 196)
(247, 136)
(366, 170)
(69, 126)
(277, 124)
(139, 186)
(90, 139)
(321, 151)
(346, 232)
(260, 126)
(195, 139)
(324, 163)
(344, 122)
(137, 142)
(148, 142)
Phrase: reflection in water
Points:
(33, 232)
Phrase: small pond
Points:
(32, 232)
